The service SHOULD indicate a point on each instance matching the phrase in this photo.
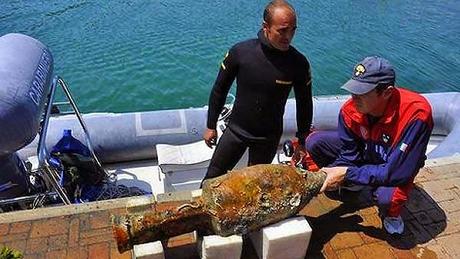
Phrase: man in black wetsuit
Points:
(266, 69)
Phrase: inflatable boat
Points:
(156, 151)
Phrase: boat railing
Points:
(50, 174)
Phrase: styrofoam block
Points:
(286, 239)
(215, 246)
(152, 250)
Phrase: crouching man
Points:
(380, 145)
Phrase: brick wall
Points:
(74, 231)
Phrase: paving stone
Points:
(346, 254)
(114, 254)
(100, 250)
(451, 244)
(454, 217)
(450, 206)
(403, 254)
(346, 240)
(95, 236)
(79, 252)
(368, 211)
(369, 239)
(432, 248)
(371, 220)
(438, 192)
(328, 252)
(375, 250)
(314, 208)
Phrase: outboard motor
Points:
(26, 68)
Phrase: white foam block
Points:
(152, 250)
(215, 246)
(286, 239)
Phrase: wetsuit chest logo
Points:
(283, 83)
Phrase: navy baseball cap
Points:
(368, 73)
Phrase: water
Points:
(122, 56)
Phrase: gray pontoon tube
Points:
(133, 136)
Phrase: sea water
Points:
(137, 55)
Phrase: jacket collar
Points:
(388, 116)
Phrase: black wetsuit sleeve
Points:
(224, 80)
(304, 105)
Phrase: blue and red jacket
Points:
(391, 150)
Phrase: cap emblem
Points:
(359, 70)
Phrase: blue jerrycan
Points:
(69, 144)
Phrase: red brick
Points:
(58, 254)
(13, 237)
(346, 254)
(20, 227)
(403, 254)
(369, 239)
(49, 227)
(376, 250)
(114, 254)
(57, 242)
(37, 245)
(371, 220)
(368, 211)
(327, 203)
(96, 236)
(74, 232)
(451, 244)
(84, 222)
(328, 252)
(99, 220)
(449, 206)
(78, 252)
(181, 240)
(100, 250)
(313, 209)
(35, 256)
(346, 240)
(4, 229)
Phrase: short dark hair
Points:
(268, 12)
(382, 87)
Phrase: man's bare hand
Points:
(334, 179)
(210, 137)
